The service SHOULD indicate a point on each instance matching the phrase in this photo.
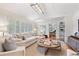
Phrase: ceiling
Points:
(51, 10)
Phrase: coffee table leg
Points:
(60, 48)
(46, 51)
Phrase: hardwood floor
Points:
(55, 52)
(33, 51)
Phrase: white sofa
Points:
(20, 51)
(32, 48)
(26, 42)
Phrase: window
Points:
(11, 26)
(25, 27)
(17, 26)
(22, 27)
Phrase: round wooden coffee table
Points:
(51, 46)
(41, 44)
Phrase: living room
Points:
(39, 29)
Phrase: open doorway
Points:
(61, 31)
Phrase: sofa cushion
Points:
(18, 35)
(71, 52)
(17, 39)
(69, 41)
(1, 48)
(9, 44)
(78, 46)
(73, 43)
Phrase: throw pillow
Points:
(77, 34)
(23, 38)
(9, 44)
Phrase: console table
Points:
(73, 43)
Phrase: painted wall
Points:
(71, 25)
(68, 26)
(75, 22)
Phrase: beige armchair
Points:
(20, 51)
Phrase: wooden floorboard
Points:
(51, 52)
(55, 52)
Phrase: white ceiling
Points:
(51, 9)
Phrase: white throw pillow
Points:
(9, 44)
(77, 34)
(71, 52)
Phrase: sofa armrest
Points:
(26, 42)
(20, 51)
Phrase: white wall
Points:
(75, 22)
(71, 25)
(75, 25)
(68, 26)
